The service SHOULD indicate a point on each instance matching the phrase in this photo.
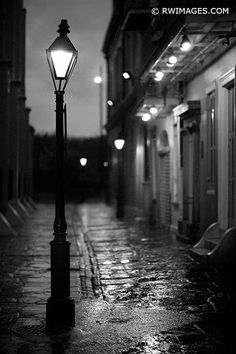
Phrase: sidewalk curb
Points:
(95, 279)
(89, 274)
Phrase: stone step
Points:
(199, 254)
(211, 243)
(215, 246)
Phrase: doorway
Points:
(231, 156)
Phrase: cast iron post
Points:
(60, 310)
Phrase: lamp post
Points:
(119, 144)
(60, 308)
(99, 81)
(82, 178)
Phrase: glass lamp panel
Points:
(61, 62)
(146, 117)
(119, 143)
(185, 46)
(83, 161)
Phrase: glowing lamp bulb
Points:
(172, 59)
(119, 143)
(83, 161)
(186, 44)
(97, 79)
(159, 76)
(110, 103)
(146, 117)
(153, 110)
(126, 75)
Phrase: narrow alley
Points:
(117, 177)
(135, 287)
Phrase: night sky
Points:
(88, 21)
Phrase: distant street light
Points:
(119, 143)
(99, 81)
(60, 310)
(110, 103)
(82, 178)
(126, 75)
(83, 161)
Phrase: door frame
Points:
(223, 161)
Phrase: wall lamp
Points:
(126, 75)
(185, 43)
(153, 110)
(172, 60)
(146, 117)
(159, 75)
(110, 103)
(98, 79)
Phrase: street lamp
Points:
(83, 161)
(82, 179)
(110, 103)
(60, 308)
(185, 44)
(100, 81)
(119, 143)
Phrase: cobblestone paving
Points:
(136, 289)
(25, 274)
(146, 267)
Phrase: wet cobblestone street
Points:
(135, 288)
(147, 268)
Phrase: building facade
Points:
(176, 112)
(15, 133)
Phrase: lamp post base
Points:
(60, 314)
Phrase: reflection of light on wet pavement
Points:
(149, 345)
(124, 261)
(107, 262)
(149, 273)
